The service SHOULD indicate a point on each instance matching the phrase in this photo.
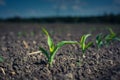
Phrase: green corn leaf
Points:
(100, 43)
(99, 40)
(82, 42)
(44, 52)
(112, 35)
(84, 37)
(83, 46)
(109, 37)
(45, 31)
(99, 37)
(62, 43)
(49, 40)
(118, 39)
(87, 35)
(111, 31)
(88, 45)
(51, 44)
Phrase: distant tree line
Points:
(111, 18)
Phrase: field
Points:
(17, 40)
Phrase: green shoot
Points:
(99, 40)
(110, 37)
(83, 45)
(53, 48)
(106, 39)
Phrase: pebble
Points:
(4, 49)
(34, 42)
(69, 76)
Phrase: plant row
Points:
(101, 40)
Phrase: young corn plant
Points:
(52, 47)
(110, 37)
(83, 45)
(99, 40)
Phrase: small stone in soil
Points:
(69, 76)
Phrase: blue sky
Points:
(45, 8)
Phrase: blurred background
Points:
(50, 11)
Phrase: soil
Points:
(19, 39)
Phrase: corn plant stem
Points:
(83, 54)
(50, 61)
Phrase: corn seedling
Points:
(106, 39)
(110, 37)
(53, 48)
(83, 45)
(99, 40)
